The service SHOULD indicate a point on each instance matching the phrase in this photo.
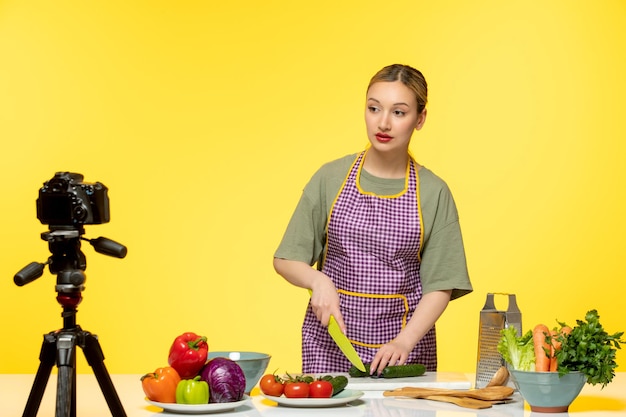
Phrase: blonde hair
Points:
(408, 76)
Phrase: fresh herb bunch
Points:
(589, 349)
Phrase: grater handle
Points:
(513, 308)
(489, 303)
(514, 315)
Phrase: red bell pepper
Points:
(188, 354)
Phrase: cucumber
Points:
(357, 373)
(398, 371)
(402, 371)
(339, 383)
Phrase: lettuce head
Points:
(518, 352)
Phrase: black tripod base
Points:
(60, 348)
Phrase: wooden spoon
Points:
(501, 377)
(487, 394)
(461, 402)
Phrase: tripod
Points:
(59, 347)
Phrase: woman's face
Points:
(391, 116)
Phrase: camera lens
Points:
(80, 213)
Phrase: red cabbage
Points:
(226, 380)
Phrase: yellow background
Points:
(206, 119)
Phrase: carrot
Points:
(555, 345)
(540, 334)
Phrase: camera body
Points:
(65, 200)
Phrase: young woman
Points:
(383, 232)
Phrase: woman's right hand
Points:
(324, 297)
(325, 301)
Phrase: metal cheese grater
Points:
(492, 321)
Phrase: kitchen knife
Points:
(344, 343)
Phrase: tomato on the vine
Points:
(296, 389)
(271, 384)
(320, 389)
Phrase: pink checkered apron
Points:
(372, 255)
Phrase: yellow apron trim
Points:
(388, 296)
(419, 211)
(358, 181)
(332, 207)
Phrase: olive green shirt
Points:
(443, 264)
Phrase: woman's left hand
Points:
(390, 354)
(396, 351)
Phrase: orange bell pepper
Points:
(160, 385)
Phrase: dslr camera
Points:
(65, 200)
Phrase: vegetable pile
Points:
(302, 386)
(585, 348)
(191, 379)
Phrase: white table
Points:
(14, 390)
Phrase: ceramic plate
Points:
(199, 408)
(342, 398)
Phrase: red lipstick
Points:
(383, 137)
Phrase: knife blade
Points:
(343, 342)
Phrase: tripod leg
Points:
(47, 357)
(66, 382)
(95, 359)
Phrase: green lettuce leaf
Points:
(518, 352)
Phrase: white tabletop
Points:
(14, 390)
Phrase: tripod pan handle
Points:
(29, 273)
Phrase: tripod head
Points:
(66, 203)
